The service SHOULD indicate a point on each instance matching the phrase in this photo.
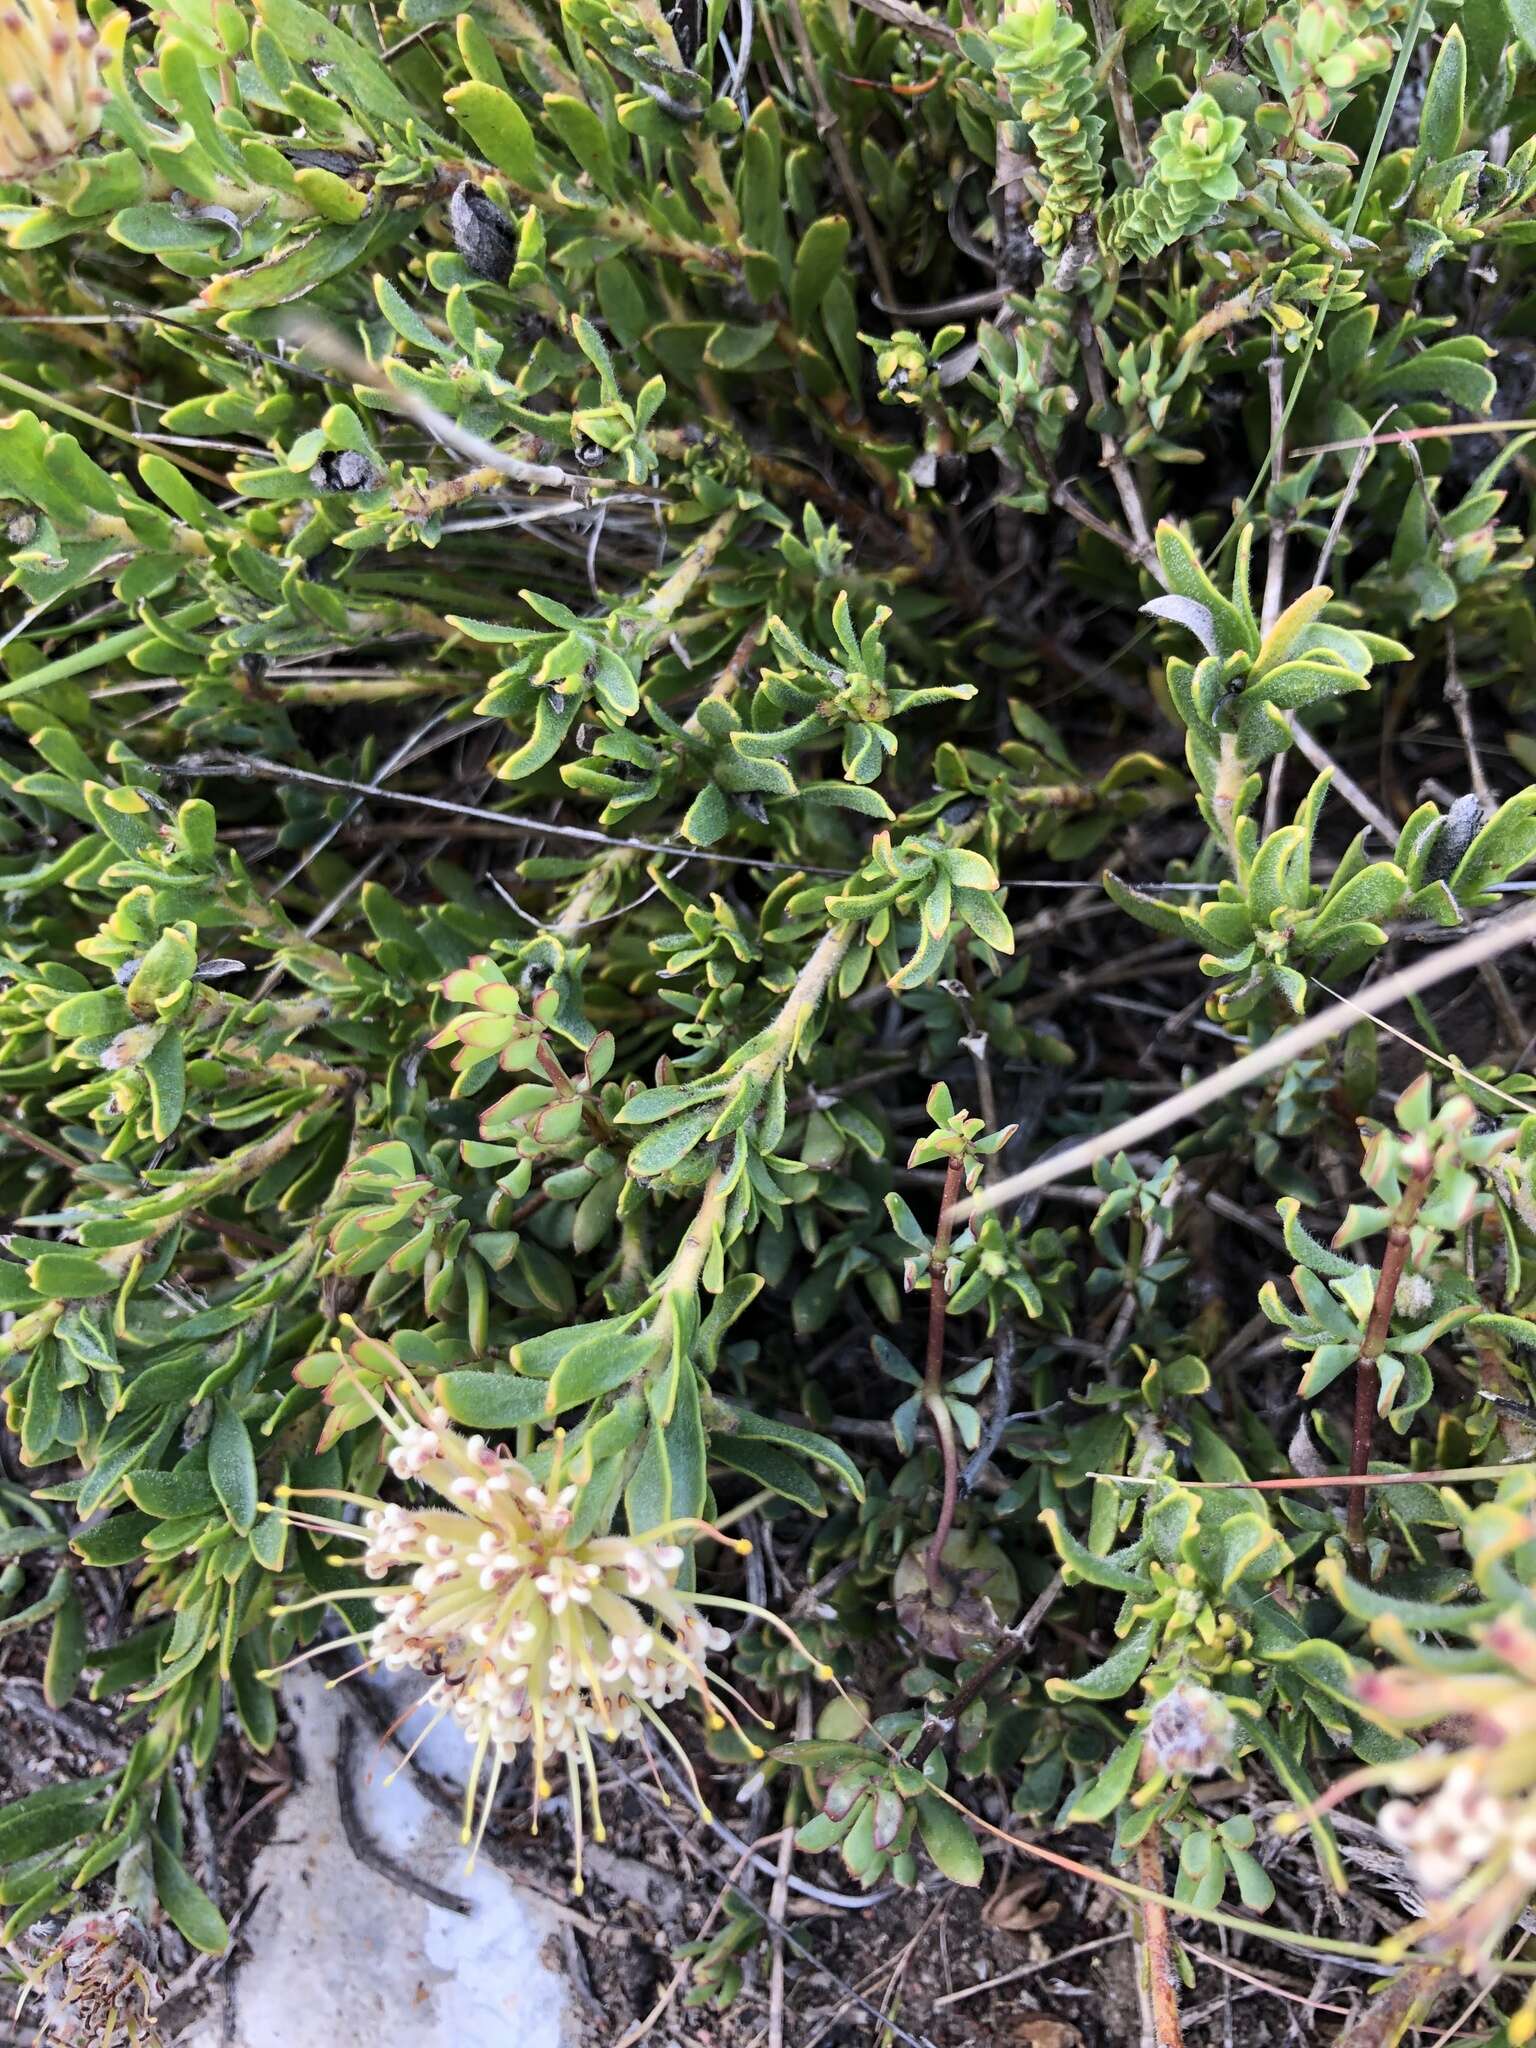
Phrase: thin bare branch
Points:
(1497, 937)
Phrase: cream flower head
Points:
(529, 1630)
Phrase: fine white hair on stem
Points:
(1498, 936)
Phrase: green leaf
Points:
(15, 1294)
(167, 1495)
(1103, 1793)
(67, 1651)
(707, 818)
(301, 268)
(583, 135)
(50, 1818)
(492, 1400)
(1079, 1563)
(165, 1069)
(1304, 1248)
(119, 1540)
(984, 915)
(1444, 112)
(255, 1701)
(1522, 19)
(232, 1467)
(307, 37)
(818, 260)
(747, 1427)
(596, 1365)
(1115, 1676)
(766, 1466)
(670, 1145)
(846, 796)
(949, 1841)
(1370, 896)
(187, 1905)
(500, 130)
(69, 1276)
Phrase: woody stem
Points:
(933, 1375)
(1377, 1330)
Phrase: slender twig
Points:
(1378, 440)
(1279, 531)
(1012, 1645)
(1363, 183)
(1111, 45)
(1346, 499)
(1162, 1982)
(1151, 1251)
(1512, 1023)
(778, 1898)
(828, 127)
(933, 1374)
(1002, 1405)
(366, 1850)
(636, 2033)
(1446, 1476)
(917, 21)
(1113, 456)
(338, 354)
(1377, 1330)
(1364, 806)
(240, 766)
(1461, 711)
(1231, 1969)
(1062, 494)
(1497, 937)
(1403, 2004)
(1067, 1955)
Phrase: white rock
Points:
(340, 1954)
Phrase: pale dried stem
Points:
(1498, 936)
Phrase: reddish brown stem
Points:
(1162, 1982)
(1377, 1331)
(933, 1375)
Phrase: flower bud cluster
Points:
(1191, 1732)
(1458, 1829)
(1464, 1814)
(51, 95)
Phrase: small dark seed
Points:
(341, 469)
(482, 235)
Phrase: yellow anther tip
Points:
(599, 1833)
(825, 1673)
(742, 1548)
(579, 1887)
(544, 1789)
(706, 1815)
(756, 1750)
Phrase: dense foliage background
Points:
(644, 648)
